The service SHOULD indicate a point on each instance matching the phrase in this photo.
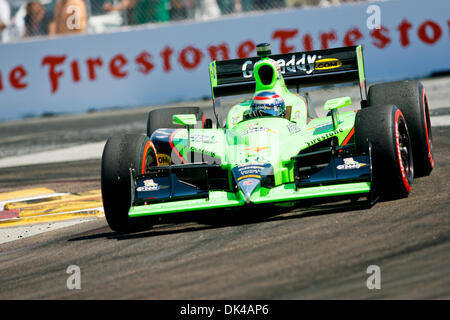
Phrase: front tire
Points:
(120, 154)
(384, 129)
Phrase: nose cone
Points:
(248, 177)
(248, 186)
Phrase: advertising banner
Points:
(164, 63)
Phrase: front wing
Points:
(224, 199)
(196, 187)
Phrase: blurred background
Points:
(22, 19)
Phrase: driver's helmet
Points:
(267, 103)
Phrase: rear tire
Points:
(162, 118)
(411, 99)
(392, 161)
(120, 154)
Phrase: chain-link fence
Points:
(21, 18)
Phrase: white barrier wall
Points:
(167, 63)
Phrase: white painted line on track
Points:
(440, 121)
(16, 233)
(87, 151)
(19, 232)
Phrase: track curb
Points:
(41, 208)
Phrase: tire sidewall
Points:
(377, 127)
(410, 97)
(122, 153)
(406, 181)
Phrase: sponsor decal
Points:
(303, 63)
(149, 185)
(326, 64)
(180, 134)
(324, 137)
(164, 159)
(202, 138)
(203, 151)
(324, 127)
(257, 128)
(256, 149)
(251, 158)
(252, 170)
(236, 119)
(260, 164)
(256, 176)
(293, 128)
(253, 155)
(349, 164)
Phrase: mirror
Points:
(185, 119)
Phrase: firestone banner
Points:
(158, 64)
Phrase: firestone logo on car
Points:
(305, 63)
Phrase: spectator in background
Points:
(320, 3)
(247, 5)
(69, 17)
(264, 5)
(128, 8)
(37, 19)
(152, 11)
(178, 10)
(5, 20)
(227, 6)
(327, 3)
(206, 9)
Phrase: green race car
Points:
(271, 150)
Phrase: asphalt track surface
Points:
(300, 254)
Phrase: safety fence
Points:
(20, 19)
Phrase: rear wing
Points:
(299, 69)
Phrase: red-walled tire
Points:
(410, 97)
(392, 160)
(121, 153)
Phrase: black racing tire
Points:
(384, 128)
(162, 118)
(120, 154)
(410, 97)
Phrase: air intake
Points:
(265, 74)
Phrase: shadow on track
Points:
(222, 219)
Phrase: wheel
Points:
(411, 99)
(120, 154)
(384, 128)
(162, 118)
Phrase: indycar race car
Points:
(271, 150)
